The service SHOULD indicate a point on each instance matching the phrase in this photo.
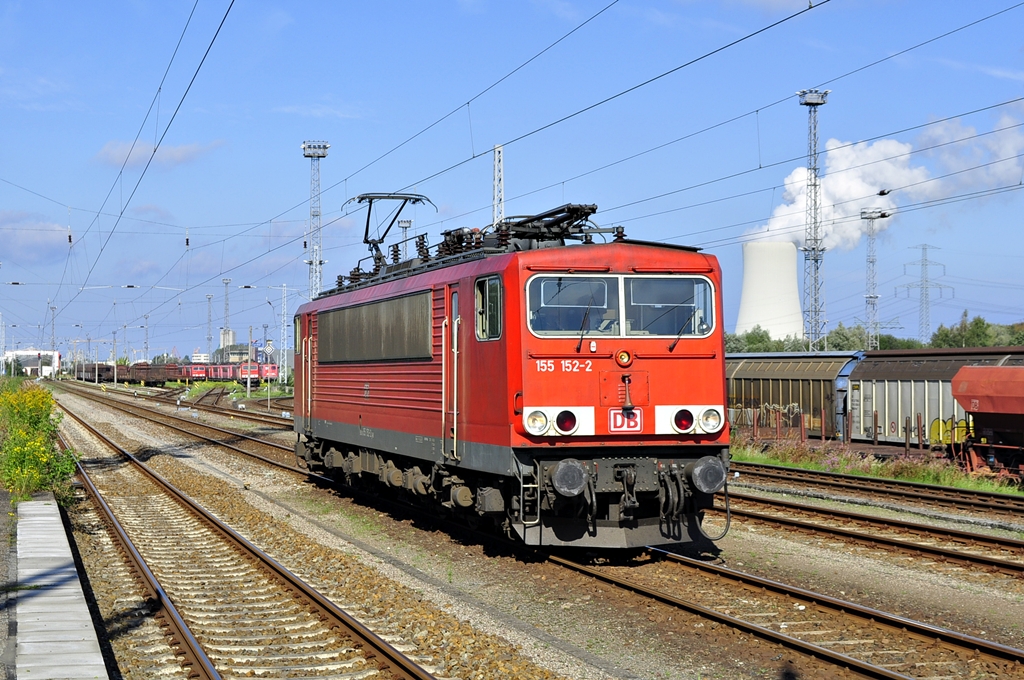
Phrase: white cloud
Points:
(277, 20)
(561, 9)
(853, 174)
(167, 156)
(29, 239)
(772, 5)
(998, 72)
(152, 212)
(997, 152)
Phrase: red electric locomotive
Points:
(575, 394)
(248, 372)
(268, 372)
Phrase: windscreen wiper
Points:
(583, 326)
(680, 333)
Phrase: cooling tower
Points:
(770, 297)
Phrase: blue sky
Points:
(709, 155)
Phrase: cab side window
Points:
(488, 308)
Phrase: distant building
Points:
(227, 337)
(34, 362)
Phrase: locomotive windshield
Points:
(650, 305)
(663, 306)
(574, 304)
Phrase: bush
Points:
(30, 460)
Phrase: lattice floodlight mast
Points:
(405, 226)
(871, 322)
(814, 302)
(871, 295)
(498, 202)
(924, 322)
(314, 151)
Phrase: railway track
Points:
(236, 611)
(775, 477)
(867, 642)
(946, 548)
(210, 397)
(277, 455)
(175, 400)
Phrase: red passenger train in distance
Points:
(572, 391)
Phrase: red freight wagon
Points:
(575, 394)
(993, 397)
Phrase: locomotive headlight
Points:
(711, 420)
(565, 422)
(537, 423)
(569, 477)
(707, 474)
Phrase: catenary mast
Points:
(209, 326)
(498, 200)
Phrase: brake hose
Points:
(728, 518)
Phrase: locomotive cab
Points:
(622, 419)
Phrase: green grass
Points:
(235, 390)
(838, 458)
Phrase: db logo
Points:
(622, 421)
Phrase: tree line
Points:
(974, 332)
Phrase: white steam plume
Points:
(853, 174)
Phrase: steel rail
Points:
(943, 495)
(944, 554)
(389, 657)
(265, 418)
(842, 660)
(194, 658)
(923, 631)
(130, 408)
(255, 416)
(146, 414)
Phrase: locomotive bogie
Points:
(540, 389)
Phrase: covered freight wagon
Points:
(889, 389)
(811, 386)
